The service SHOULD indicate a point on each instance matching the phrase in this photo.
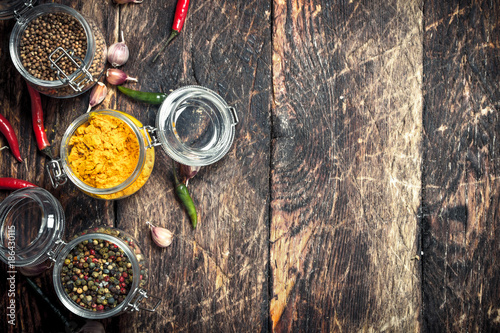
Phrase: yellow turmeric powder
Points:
(105, 152)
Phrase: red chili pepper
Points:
(37, 118)
(8, 131)
(180, 16)
(7, 183)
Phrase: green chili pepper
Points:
(143, 96)
(183, 194)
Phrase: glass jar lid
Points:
(11, 8)
(196, 126)
(31, 221)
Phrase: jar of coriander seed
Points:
(56, 49)
(101, 272)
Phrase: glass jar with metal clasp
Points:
(57, 50)
(101, 272)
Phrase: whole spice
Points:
(179, 18)
(7, 183)
(183, 194)
(97, 95)
(37, 120)
(70, 326)
(118, 53)
(97, 275)
(92, 326)
(186, 172)
(43, 35)
(116, 76)
(161, 236)
(143, 96)
(8, 131)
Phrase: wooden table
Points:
(362, 189)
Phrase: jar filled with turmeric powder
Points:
(107, 154)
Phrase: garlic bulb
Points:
(118, 53)
(161, 236)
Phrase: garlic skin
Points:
(187, 172)
(122, 2)
(118, 53)
(161, 236)
(97, 95)
(34, 270)
(92, 326)
(116, 76)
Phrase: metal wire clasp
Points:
(82, 76)
(56, 175)
(139, 295)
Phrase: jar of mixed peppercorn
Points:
(99, 273)
(56, 49)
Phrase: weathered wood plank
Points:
(213, 278)
(460, 180)
(346, 165)
(81, 211)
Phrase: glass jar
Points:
(66, 167)
(32, 222)
(195, 126)
(57, 62)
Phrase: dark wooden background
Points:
(362, 189)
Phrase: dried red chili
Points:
(7, 183)
(179, 18)
(8, 131)
(37, 118)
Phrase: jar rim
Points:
(64, 151)
(174, 147)
(63, 296)
(33, 13)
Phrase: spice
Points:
(179, 18)
(8, 131)
(97, 276)
(97, 95)
(161, 236)
(118, 53)
(46, 33)
(37, 119)
(116, 76)
(183, 194)
(7, 183)
(105, 152)
(186, 172)
(143, 96)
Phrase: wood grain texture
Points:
(346, 161)
(460, 180)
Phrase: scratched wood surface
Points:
(347, 78)
(360, 193)
(461, 167)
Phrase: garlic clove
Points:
(34, 270)
(116, 76)
(92, 326)
(187, 172)
(122, 2)
(97, 95)
(161, 236)
(118, 53)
